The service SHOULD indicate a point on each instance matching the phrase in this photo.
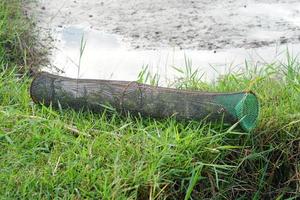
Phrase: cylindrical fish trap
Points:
(137, 98)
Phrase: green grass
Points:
(47, 153)
(18, 44)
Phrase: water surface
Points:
(105, 56)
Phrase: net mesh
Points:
(247, 110)
(136, 98)
(243, 106)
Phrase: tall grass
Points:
(47, 153)
(268, 164)
(18, 42)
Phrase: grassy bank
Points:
(18, 44)
(47, 153)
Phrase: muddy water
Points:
(122, 36)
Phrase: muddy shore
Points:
(187, 24)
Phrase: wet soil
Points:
(187, 24)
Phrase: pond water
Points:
(82, 52)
